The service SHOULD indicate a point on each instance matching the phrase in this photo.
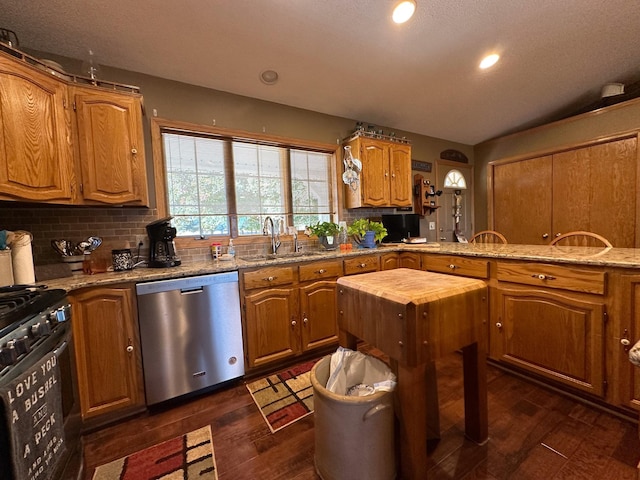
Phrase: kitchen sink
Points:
(279, 256)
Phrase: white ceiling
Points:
(346, 57)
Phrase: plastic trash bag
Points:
(353, 373)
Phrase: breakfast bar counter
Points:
(416, 317)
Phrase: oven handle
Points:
(60, 348)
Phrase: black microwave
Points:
(401, 226)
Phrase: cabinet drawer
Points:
(553, 276)
(319, 270)
(268, 277)
(453, 264)
(361, 264)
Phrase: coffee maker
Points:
(162, 250)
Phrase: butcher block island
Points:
(416, 317)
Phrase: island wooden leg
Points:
(411, 397)
(476, 422)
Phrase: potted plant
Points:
(367, 233)
(327, 233)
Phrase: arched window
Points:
(455, 179)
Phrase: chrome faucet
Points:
(296, 245)
(268, 222)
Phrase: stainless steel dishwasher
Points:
(191, 334)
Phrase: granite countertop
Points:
(607, 257)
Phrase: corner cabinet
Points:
(111, 146)
(108, 355)
(63, 141)
(36, 160)
(385, 179)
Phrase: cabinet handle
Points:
(386, 174)
(269, 279)
(558, 234)
(625, 342)
(321, 271)
(134, 150)
(305, 320)
(293, 323)
(362, 265)
(542, 276)
(452, 266)
(393, 175)
(499, 324)
(130, 346)
(545, 235)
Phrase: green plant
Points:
(324, 229)
(358, 228)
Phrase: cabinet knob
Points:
(499, 324)
(625, 342)
(305, 320)
(134, 150)
(362, 265)
(452, 266)
(270, 278)
(321, 271)
(558, 234)
(293, 323)
(130, 348)
(542, 276)
(386, 174)
(545, 235)
(393, 175)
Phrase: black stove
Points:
(27, 314)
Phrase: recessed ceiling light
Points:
(489, 60)
(404, 11)
(269, 77)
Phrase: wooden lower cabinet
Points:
(294, 317)
(626, 332)
(107, 346)
(552, 334)
(389, 261)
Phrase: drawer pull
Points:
(321, 271)
(270, 279)
(452, 266)
(362, 265)
(542, 276)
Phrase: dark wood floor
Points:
(534, 434)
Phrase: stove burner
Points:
(19, 305)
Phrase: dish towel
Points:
(33, 418)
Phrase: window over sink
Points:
(218, 182)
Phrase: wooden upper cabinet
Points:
(385, 180)
(35, 147)
(591, 188)
(522, 200)
(111, 147)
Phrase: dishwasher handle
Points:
(191, 291)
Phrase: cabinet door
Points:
(522, 200)
(626, 333)
(389, 261)
(272, 330)
(558, 336)
(319, 314)
(107, 350)
(35, 146)
(375, 173)
(614, 198)
(410, 260)
(111, 147)
(400, 185)
(571, 191)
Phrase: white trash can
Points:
(353, 435)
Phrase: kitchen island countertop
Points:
(603, 257)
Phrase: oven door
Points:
(60, 342)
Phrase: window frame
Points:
(160, 125)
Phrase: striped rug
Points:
(188, 457)
(284, 397)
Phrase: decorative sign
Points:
(454, 155)
(421, 166)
